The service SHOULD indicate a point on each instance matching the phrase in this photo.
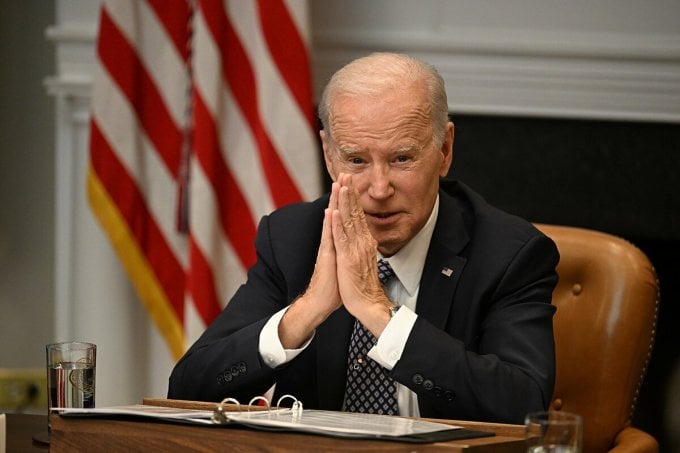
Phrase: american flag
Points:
(202, 121)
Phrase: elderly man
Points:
(397, 293)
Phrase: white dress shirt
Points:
(407, 265)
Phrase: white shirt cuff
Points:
(270, 347)
(392, 341)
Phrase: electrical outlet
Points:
(23, 390)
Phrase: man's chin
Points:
(389, 247)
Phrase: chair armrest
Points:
(634, 440)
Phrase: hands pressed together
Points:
(345, 272)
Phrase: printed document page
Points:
(142, 410)
(340, 423)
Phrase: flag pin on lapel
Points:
(447, 271)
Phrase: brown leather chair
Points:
(607, 303)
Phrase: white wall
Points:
(617, 59)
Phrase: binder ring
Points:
(259, 398)
(218, 414)
(296, 408)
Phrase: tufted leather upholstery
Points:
(607, 302)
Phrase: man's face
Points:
(387, 146)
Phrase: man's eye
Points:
(403, 158)
(356, 160)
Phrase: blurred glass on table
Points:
(71, 369)
(554, 432)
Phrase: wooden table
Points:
(97, 434)
(20, 431)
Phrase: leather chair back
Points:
(607, 303)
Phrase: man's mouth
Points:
(382, 215)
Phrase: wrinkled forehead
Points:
(390, 114)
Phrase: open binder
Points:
(293, 419)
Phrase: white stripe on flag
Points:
(236, 141)
(120, 127)
(123, 127)
(285, 123)
(211, 240)
(161, 60)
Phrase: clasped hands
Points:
(345, 273)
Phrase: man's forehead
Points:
(403, 134)
(397, 149)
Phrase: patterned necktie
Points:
(369, 390)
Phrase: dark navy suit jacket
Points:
(481, 349)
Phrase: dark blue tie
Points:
(369, 390)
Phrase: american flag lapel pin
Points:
(447, 271)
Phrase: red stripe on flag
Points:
(238, 73)
(201, 285)
(289, 52)
(121, 61)
(235, 214)
(122, 194)
(174, 15)
(130, 201)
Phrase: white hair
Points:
(372, 75)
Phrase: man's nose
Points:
(380, 184)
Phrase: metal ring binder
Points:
(218, 414)
(220, 417)
(259, 398)
(296, 408)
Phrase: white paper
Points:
(344, 424)
(143, 410)
(340, 423)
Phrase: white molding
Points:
(538, 73)
(69, 86)
(75, 45)
(505, 42)
(72, 33)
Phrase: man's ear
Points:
(447, 150)
(326, 155)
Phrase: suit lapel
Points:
(443, 265)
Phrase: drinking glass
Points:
(554, 432)
(71, 370)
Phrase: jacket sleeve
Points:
(225, 361)
(506, 367)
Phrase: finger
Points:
(326, 244)
(333, 200)
(325, 261)
(343, 179)
(357, 212)
(338, 232)
(355, 209)
(346, 213)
